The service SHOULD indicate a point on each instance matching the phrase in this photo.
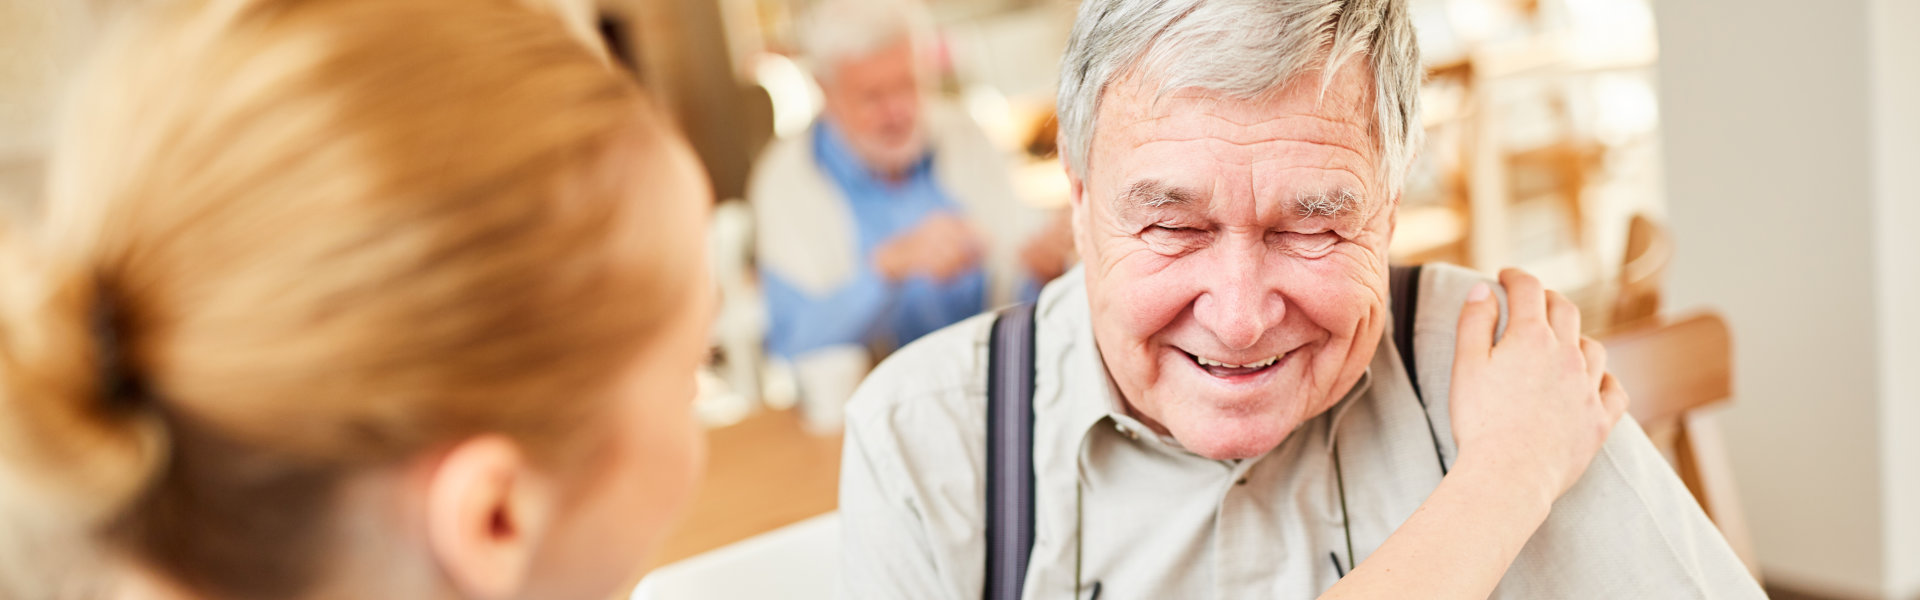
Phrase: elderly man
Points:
(891, 217)
(1224, 402)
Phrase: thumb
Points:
(1474, 336)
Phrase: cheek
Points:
(646, 477)
(1347, 300)
(666, 450)
(1337, 294)
(657, 457)
(1142, 292)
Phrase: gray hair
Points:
(1244, 49)
(836, 30)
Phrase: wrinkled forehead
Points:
(1347, 92)
(1311, 136)
(1336, 108)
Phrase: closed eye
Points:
(1310, 245)
(1172, 239)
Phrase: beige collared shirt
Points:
(1118, 505)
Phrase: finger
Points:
(949, 258)
(967, 229)
(1474, 335)
(1613, 397)
(972, 245)
(1596, 356)
(1526, 299)
(943, 227)
(961, 230)
(1563, 316)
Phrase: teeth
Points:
(1204, 361)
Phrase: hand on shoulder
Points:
(1534, 408)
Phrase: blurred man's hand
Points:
(942, 247)
(1047, 254)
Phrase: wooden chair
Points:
(1643, 267)
(1674, 372)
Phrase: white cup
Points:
(827, 379)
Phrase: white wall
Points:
(1786, 155)
(1896, 117)
(40, 41)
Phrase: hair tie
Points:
(117, 382)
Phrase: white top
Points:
(1155, 521)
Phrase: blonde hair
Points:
(292, 239)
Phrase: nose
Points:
(1239, 303)
(902, 108)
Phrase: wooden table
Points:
(762, 473)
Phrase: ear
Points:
(1077, 204)
(486, 509)
(1393, 214)
(1076, 191)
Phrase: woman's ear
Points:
(486, 509)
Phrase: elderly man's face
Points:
(1236, 255)
(875, 102)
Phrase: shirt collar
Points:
(1086, 390)
(836, 155)
(1339, 410)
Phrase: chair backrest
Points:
(1643, 267)
(1672, 368)
(1676, 373)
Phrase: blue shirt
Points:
(870, 310)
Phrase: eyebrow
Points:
(1336, 203)
(1340, 203)
(1150, 193)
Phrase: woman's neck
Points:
(139, 583)
(376, 546)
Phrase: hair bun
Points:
(69, 449)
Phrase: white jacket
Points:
(805, 230)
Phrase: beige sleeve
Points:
(1627, 529)
(911, 474)
(886, 552)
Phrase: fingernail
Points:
(1479, 292)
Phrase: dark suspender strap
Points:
(1009, 452)
(1403, 287)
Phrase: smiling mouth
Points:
(1226, 370)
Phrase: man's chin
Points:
(894, 155)
(1231, 438)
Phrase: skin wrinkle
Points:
(1307, 146)
(1145, 117)
(1281, 119)
(1175, 195)
(1254, 129)
(1338, 203)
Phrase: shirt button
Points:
(1240, 481)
